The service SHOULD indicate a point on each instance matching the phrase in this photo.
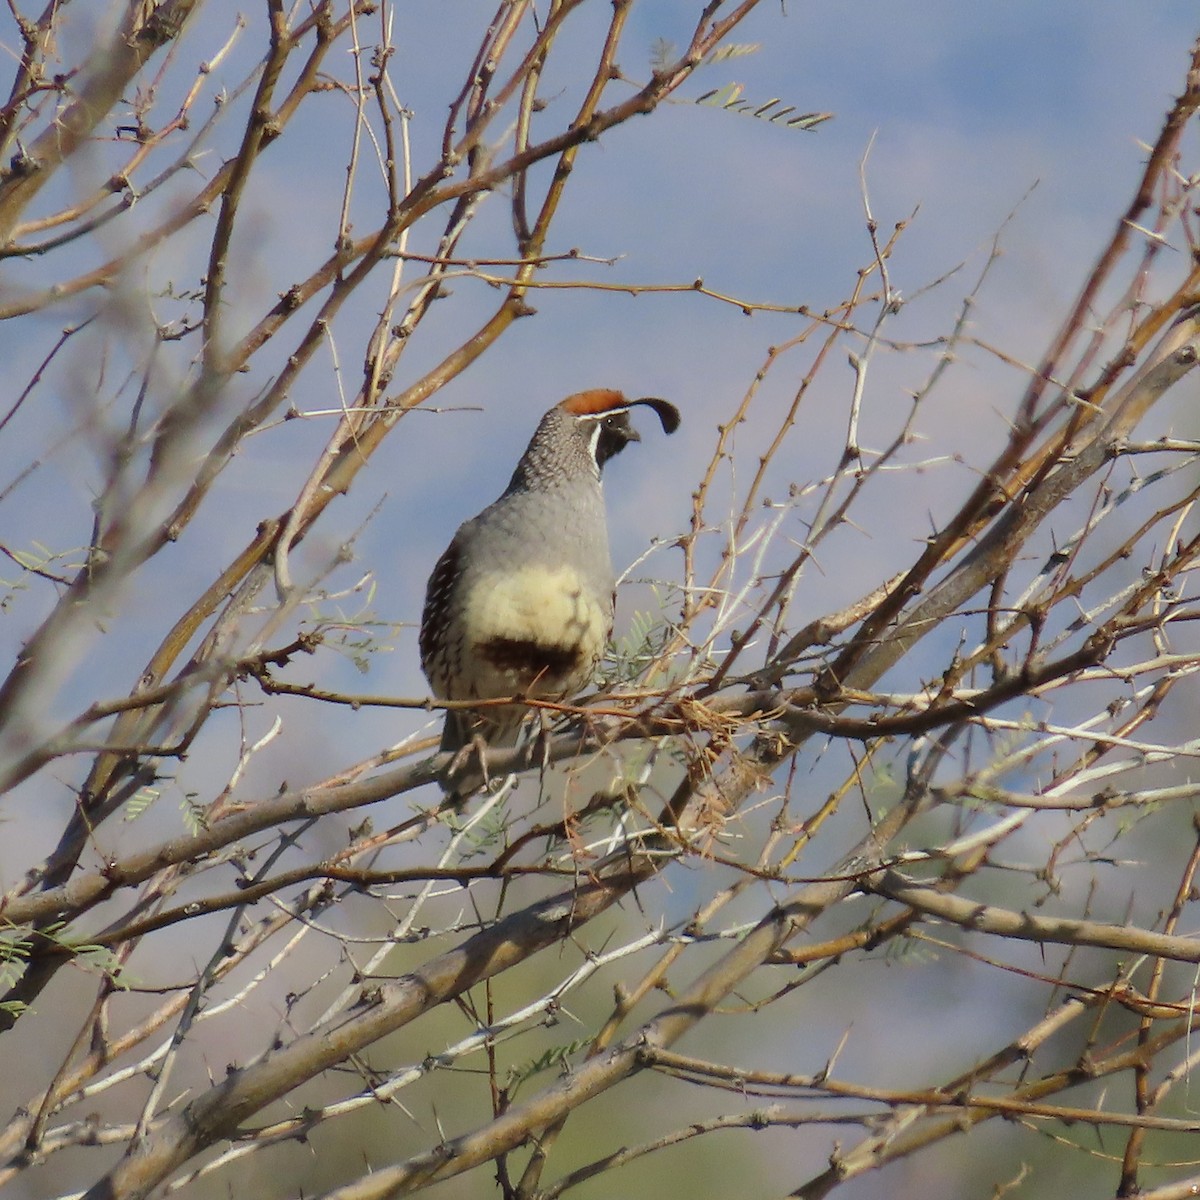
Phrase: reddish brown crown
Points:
(595, 400)
(599, 401)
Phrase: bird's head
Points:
(601, 417)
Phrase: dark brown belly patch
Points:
(531, 661)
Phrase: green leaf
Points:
(773, 111)
(731, 50)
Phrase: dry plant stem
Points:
(831, 512)
(86, 890)
(354, 452)
(1174, 357)
(1185, 1189)
(780, 659)
(53, 901)
(377, 1089)
(87, 1032)
(1026, 926)
(627, 999)
(1147, 1095)
(254, 139)
(955, 1094)
(103, 1050)
(1009, 472)
(174, 1139)
(216, 1114)
(765, 1116)
(991, 742)
(123, 550)
(588, 124)
(699, 598)
(609, 1068)
(247, 574)
(905, 1135)
(36, 37)
(143, 30)
(198, 992)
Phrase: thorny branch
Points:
(1001, 710)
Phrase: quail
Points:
(521, 602)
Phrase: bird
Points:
(520, 604)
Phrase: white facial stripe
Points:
(594, 440)
(597, 421)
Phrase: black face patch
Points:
(614, 433)
(529, 661)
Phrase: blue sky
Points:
(971, 111)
